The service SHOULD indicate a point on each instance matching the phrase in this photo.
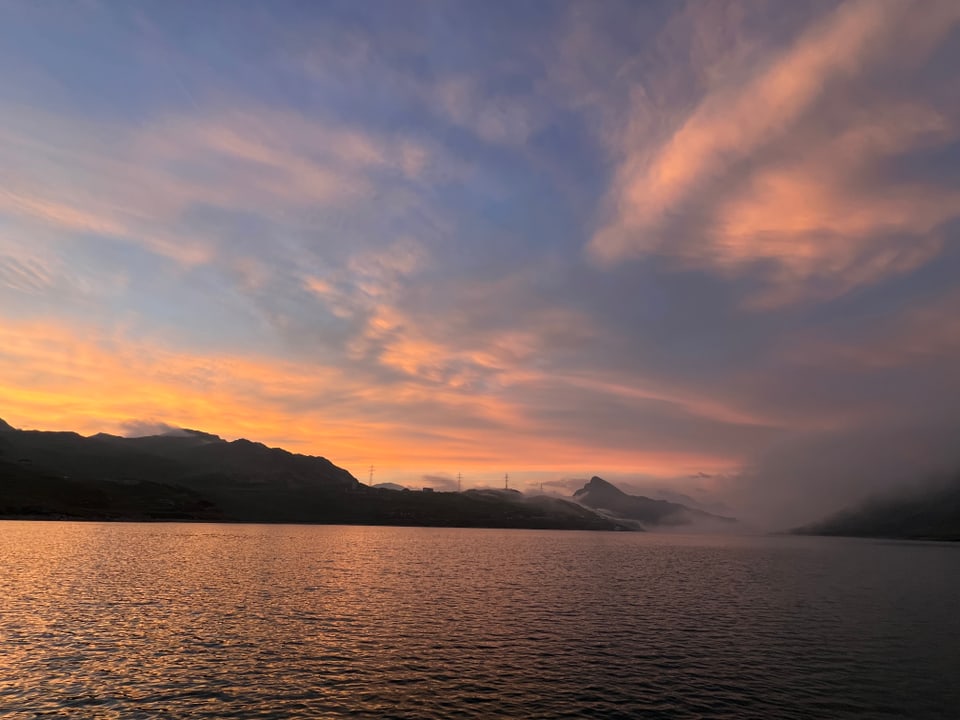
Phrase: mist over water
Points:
(168, 620)
(811, 477)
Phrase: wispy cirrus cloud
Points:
(142, 184)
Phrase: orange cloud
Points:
(809, 204)
(733, 122)
(138, 184)
(70, 378)
(825, 190)
(65, 378)
(58, 214)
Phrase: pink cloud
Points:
(777, 184)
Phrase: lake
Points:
(192, 620)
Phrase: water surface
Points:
(190, 620)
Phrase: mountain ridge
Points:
(923, 513)
(601, 495)
(191, 475)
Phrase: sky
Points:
(705, 248)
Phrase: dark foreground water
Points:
(168, 620)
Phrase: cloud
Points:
(82, 378)
(400, 58)
(500, 120)
(34, 275)
(871, 402)
(783, 168)
(829, 220)
(27, 275)
(924, 332)
(369, 241)
(814, 475)
(151, 184)
(147, 428)
(55, 188)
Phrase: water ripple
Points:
(214, 621)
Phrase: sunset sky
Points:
(707, 247)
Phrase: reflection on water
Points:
(167, 620)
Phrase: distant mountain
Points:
(604, 496)
(932, 513)
(232, 480)
(192, 475)
(186, 457)
(389, 486)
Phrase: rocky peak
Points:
(598, 485)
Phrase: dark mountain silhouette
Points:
(192, 475)
(390, 486)
(603, 496)
(930, 513)
(188, 457)
(26, 492)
